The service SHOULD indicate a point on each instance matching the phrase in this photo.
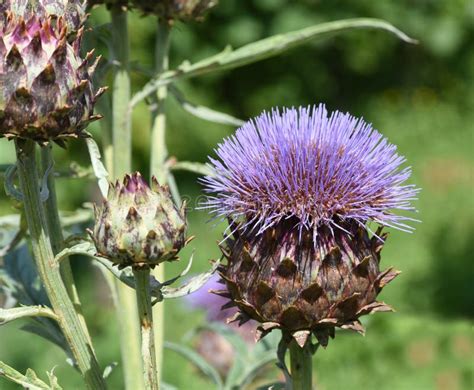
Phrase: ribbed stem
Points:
(122, 157)
(49, 270)
(145, 315)
(56, 233)
(158, 155)
(301, 366)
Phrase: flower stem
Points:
(49, 270)
(145, 315)
(158, 155)
(301, 366)
(56, 233)
(122, 163)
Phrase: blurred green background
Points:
(420, 96)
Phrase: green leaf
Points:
(194, 167)
(84, 248)
(260, 50)
(7, 315)
(99, 169)
(205, 113)
(197, 360)
(192, 285)
(29, 381)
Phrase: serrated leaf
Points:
(99, 169)
(205, 113)
(84, 248)
(7, 315)
(198, 361)
(53, 381)
(29, 381)
(192, 285)
(262, 49)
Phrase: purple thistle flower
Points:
(311, 167)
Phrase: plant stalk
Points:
(49, 270)
(56, 233)
(301, 366)
(122, 164)
(145, 315)
(158, 155)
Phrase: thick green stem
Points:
(122, 157)
(49, 269)
(301, 366)
(56, 233)
(158, 155)
(145, 315)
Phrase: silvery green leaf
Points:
(7, 315)
(98, 167)
(262, 49)
(192, 285)
(53, 381)
(28, 381)
(205, 113)
(194, 167)
(84, 248)
(198, 361)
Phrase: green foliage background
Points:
(421, 97)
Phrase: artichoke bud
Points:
(139, 226)
(46, 93)
(282, 280)
(72, 12)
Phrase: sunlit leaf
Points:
(262, 49)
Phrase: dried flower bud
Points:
(139, 226)
(299, 189)
(46, 92)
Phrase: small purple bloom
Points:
(312, 167)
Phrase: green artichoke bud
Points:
(166, 9)
(73, 12)
(139, 226)
(284, 281)
(46, 89)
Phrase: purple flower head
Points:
(311, 167)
